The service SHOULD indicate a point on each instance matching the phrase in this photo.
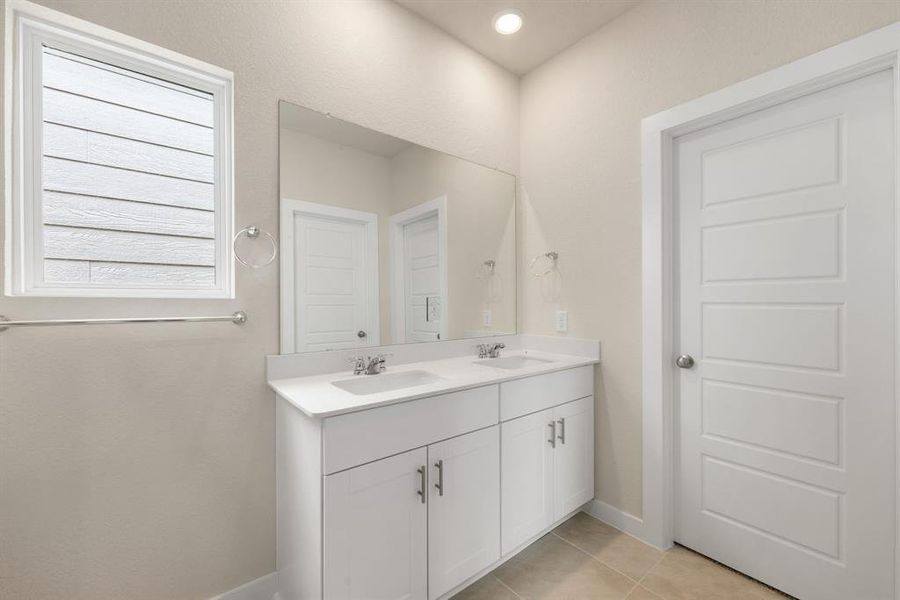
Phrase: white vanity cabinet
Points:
(573, 456)
(378, 524)
(411, 500)
(547, 457)
(375, 530)
(464, 508)
(526, 478)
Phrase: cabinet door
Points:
(375, 533)
(526, 477)
(574, 456)
(464, 508)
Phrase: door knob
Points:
(360, 334)
(685, 361)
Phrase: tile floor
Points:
(584, 559)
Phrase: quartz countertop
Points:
(316, 397)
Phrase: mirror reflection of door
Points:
(419, 267)
(334, 267)
(421, 280)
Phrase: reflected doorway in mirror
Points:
(419, 272)
(330, 266)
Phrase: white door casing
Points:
(877, 51)
(418, 250)
(375, 528)
(464, 508)
(329, 270)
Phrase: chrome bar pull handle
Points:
(552, 440)
(439, 465)
(562, 429)
(421, 491)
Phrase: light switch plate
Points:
(487, 317)
(432, 309)
(562, 321)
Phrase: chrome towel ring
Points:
(253, 232)
(543, 264)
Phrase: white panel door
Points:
(786, 423)
(335, 282)
(375, 537)
(464, 508)
(573, 456)
(422, 280)
(526, 477)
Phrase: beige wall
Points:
(580, 119)
(137, 461)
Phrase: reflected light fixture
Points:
(507, 22)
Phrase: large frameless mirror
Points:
(387, 242)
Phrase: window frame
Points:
(29, 27)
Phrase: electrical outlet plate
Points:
(487, 317)
(562, 321)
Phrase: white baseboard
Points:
(621, 520)
(264, 588)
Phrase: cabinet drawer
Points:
(531, 394)
(355, 438)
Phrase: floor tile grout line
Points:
(648, 590)
(640, 582)
(637, 582)
(504, 584)
(591, 556)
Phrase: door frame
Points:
(872, 52)
(289, 209)
(438, 207)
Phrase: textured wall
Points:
(137, 461)
(580, 119)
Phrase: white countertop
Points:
(318, 398)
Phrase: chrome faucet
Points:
(369, 365)
(490, 350)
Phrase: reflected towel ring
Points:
(486, 269)
(548, 262)
(252, 232)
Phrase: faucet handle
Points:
(494, 349)
(381, 358)
(359, 364)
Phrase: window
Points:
(121, 166)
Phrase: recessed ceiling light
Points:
(507, 22)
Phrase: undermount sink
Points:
(373, 384)
(512, 362)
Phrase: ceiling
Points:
(550, 26)
(343, 133)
